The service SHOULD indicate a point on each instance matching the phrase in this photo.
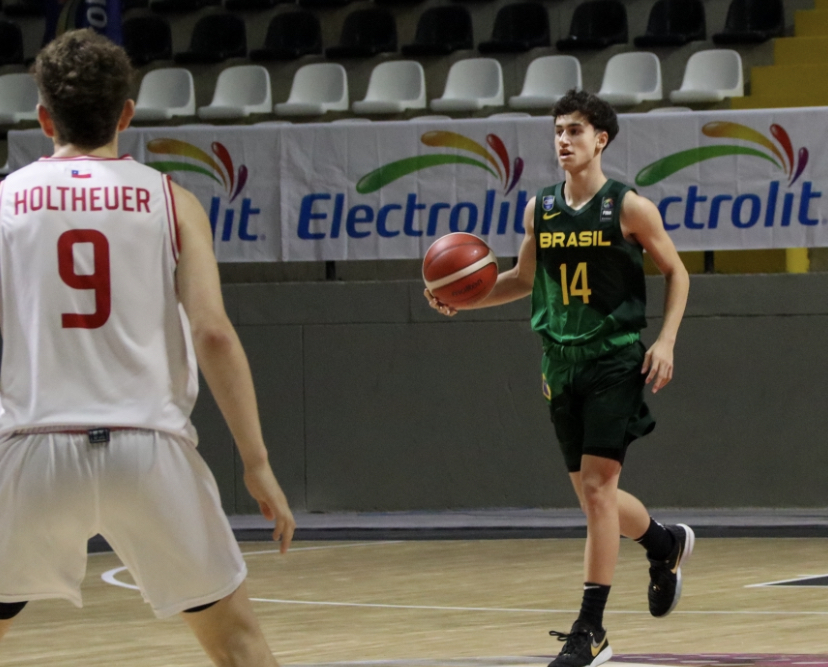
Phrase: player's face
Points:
(577, 142)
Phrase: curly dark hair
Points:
(599, 114)
(84, 81)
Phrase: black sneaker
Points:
(585, 647)
(665, 575)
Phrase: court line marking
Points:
(801, 577)
(110, 575)
(527, 611)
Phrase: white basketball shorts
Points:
(150, 494)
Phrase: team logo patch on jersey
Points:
(548, 202)
(77, 173)
(607, 207)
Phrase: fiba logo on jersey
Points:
(228, 222)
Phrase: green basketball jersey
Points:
(589, 291)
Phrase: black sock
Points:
(592, 607)
(658, 541)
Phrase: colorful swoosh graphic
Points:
(222, 172)
(783, 159)
(497, 164)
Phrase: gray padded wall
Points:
(371, 401)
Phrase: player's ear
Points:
(45, 120)
(126, 115)
(603, 139)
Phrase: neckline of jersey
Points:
(559, 195)
(52, 158)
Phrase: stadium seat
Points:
(216, 37)
(146, 39)
(471, 84)
(596, 24)
(511, 114)
(18, 98)
(290, 35)
(11, 43)
(165, 93)
(547, 80)
(23, 7)
(429, 118)
(711, 76)
(365, 33)
(673, 23)
(316, 89)
(323, 4)
(517, 28)
(668, 109)
(251, 5)
(440, 31)
(240, 91)
(752, 22)
(180, 6)
(631, 78)
(394, 87)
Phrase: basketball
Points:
(459, 269)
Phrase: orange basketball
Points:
(460, 269)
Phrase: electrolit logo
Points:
(499, 162)
(745, 209)
(222, 170)
(324, 215)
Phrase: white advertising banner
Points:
(387, 190)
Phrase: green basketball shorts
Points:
(597, 405)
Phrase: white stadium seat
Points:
(711, 76)
(471, 84)
(547, 79)
(316, 89)
(240, 91)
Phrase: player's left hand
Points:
(262, 485)
(438, 305)
(658, 365)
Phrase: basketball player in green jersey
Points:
(581, 260)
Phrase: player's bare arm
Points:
(223, 362)
(641, 222)
(511, 285)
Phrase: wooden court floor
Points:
(445, 603)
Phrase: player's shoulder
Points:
(634, 205)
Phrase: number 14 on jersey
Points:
(579, 285)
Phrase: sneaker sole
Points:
(689, 543)
(602, 657)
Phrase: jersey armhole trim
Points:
(172, 218)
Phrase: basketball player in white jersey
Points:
(109, 294)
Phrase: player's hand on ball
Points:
(438, 306)
(262, 485)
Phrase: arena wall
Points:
(370, 401)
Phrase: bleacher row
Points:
(441, 30)
(399, 85)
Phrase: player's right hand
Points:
(438, 305)
(262, 485)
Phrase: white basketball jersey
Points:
(93, 332)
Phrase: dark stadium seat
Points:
(23, 7)
(179, 6)
(290, 35)
(517, 28)
(322, 4)
(595, 25)
(251, 5)
(440, 31)
(365, 33)
(673, 23)
(752, 22)
(216, 37)
(147, 38)
(11, 43)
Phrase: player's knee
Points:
(9, 610)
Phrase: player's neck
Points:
(109, 150)
(581, 186)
